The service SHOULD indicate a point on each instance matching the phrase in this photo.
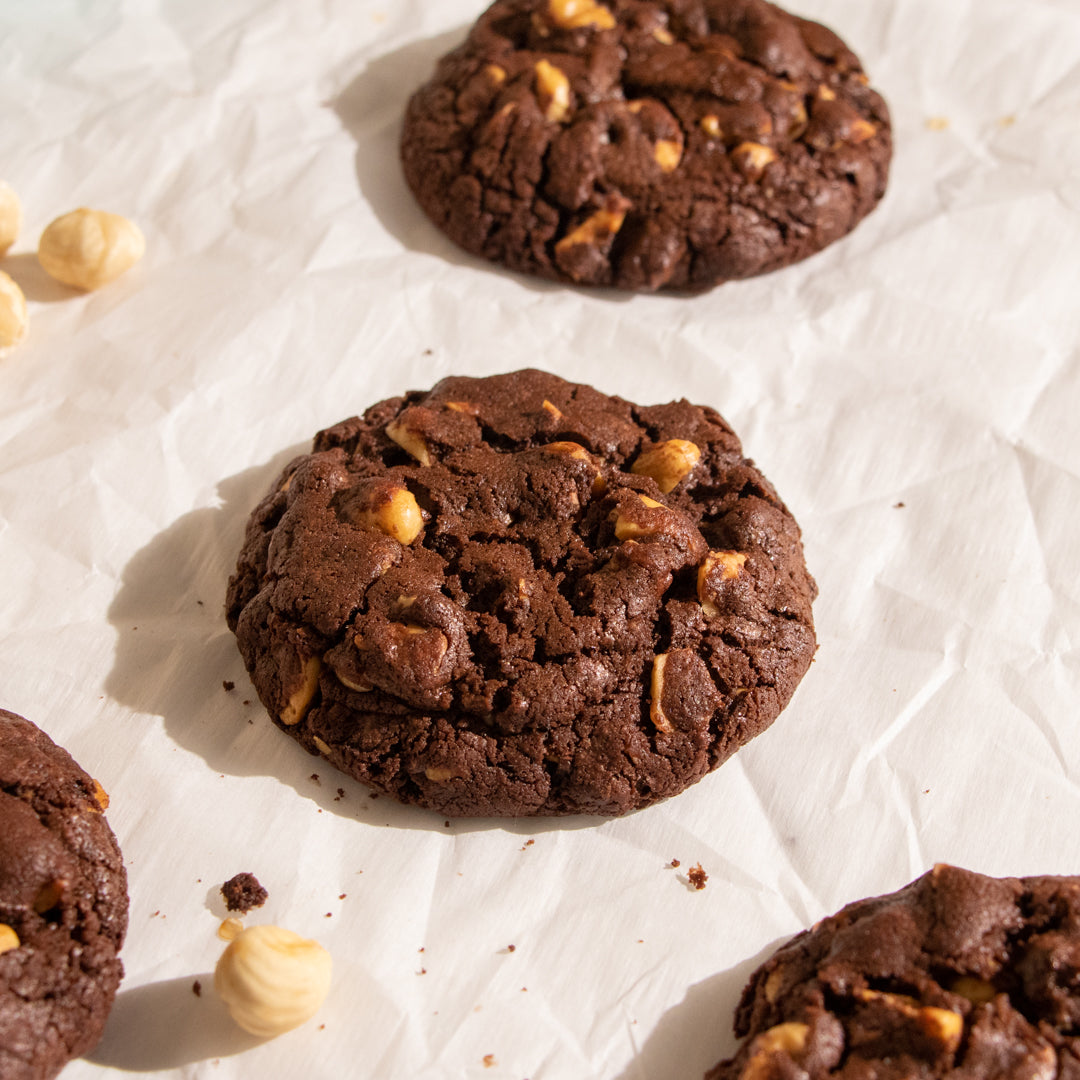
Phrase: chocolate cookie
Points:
(955, 975)
(646, 144)
(516, 595)
(63, 905)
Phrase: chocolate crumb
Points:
(314, 778)
(511, 948)
(899, 506)
(329, 914)
(196, 988)
(697, 877)
(228, 686)
(342, 896)
(674, 864)
(246, 701)
(243, 892)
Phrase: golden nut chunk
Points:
(977, 991)
(656, 691)
(730, 561)
(553, 87)
(594, 230)
(862, 131)
(751, 159)
(439, 773)
(463, 407)
(322, 746)
(665, 37)
(496, 74)
(398, 516)
(356, 687)
(789, 1038)
(552, 410)
(101, 796)
(570, 14)
(272, 980)
(89, 248)
(625, 529)
(409, 441)
(14, 321)
(943, 1025)
(668, 154)
(711, 126)
(8, 939)
(668, 463)
(10, 217)
(773, 984)
(300, 701)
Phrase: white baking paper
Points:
(912, 392)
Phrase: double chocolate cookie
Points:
(646, 144)
(63, 905)
(517, 595)
(956, 975)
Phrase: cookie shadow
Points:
(36, 285)
(176, 659)
(372, 110)
(698, 1032)
(166, 1025)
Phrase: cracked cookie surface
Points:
(517, 595)
(646, 144)
(956, 975)
(63, 905)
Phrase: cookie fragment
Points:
(561, 635)
(63, 905)
(243, 892)
(955, 975)
(646, 144)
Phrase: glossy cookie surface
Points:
(63, 905)
(647, 144)
(517, 595)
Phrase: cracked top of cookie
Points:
(956, 975)
(517, 595)
(646, 144)
(63, 905)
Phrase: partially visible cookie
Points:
(63, 905)
(517, 595)
(956, 975)
(646, 144)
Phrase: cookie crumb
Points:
(1007, 121)
(314, 778)
(527, 844)
(329, 914)
(342, 896)
(196, 988)
(898, 506)
(489, 1060)
(422, 971)
(228, 686)
(937, 123)
(697, 877)
(243, 892)
(246, 701)
(511, 948)
(674, 864)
